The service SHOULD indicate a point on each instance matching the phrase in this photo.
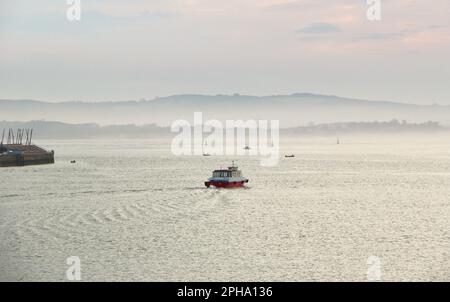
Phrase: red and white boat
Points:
(230, 178)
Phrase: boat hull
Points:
(226, 184)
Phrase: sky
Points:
(142, 49)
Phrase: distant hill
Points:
(292, 110)
(58, 130)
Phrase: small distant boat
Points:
(206, 154)
(230, 178)
(72, 161)
(246, 148)
(290, 156)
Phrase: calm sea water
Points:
(132, 211)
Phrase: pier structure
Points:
(16, 149)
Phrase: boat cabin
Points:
(231, 172)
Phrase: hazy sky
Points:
(123, 50)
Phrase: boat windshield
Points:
(225, 173)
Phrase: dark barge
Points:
(15, 153)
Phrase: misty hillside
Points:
(58, 130)
(292, 110)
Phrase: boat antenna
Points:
(3, 136)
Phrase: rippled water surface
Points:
(130, 210)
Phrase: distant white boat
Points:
(206, 154)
